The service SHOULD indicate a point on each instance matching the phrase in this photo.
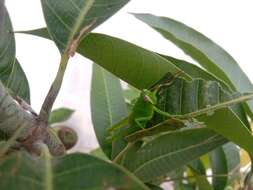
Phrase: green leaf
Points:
(224, 160)
(107, 105)
(135, 65)
(66, 19)
(208, 54)
(17, 83)
(224, 122)
(60, 115)
(197, 167)
(99, 153)
(196, 72)
(76, 171)
(171, 151)
(203, 183)
(2, 12)
(189, 98)
(11, 73)
(199, 171)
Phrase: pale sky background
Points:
(227, 22)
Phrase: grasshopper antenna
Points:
(168, 82)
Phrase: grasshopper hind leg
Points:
(142, 121)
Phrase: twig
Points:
(72, 44)
(54, 90)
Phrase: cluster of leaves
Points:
(164, 151)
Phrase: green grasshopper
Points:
(143, 110)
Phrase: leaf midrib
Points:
(107, 97)
(76, 170)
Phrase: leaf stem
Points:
(54, 90)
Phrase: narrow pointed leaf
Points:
(224, 161)
(224, 122)
(2, 11)
(189, 98)
(135, 65)
(76, 171)
(210, 55)
(60, 115)
(171, 151)
(11, 73)
(107, 105)
(99, 153)
(196, 72)
(67, 19)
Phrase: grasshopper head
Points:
(149, 96)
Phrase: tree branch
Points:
(24, 127)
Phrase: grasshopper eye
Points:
(146, 98)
